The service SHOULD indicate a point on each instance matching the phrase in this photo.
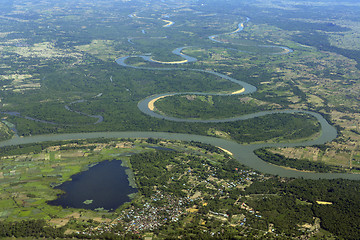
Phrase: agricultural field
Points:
(76, 66)
(183, 189)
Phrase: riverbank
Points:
(168, 23)
(227, 151)
(151, 105)
(243, 154)
(239, 91)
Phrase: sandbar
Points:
(227, 151)
(169, 23)
(239, 91)
(151, 103)
(176, 62)
(324, 203)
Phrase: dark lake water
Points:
(104, 185)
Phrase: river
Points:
(242, 153)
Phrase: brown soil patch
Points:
(59, 222)
(102, 220)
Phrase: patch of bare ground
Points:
(59, 222)
(70, 231)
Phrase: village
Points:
(178, 185)
(193, 203)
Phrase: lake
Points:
(242, 153)
(104, 185)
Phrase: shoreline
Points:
(168, 23)
(151, 104)
(175, 62)
(227, 151)
(243, 154)
(129, 172)
(239, 91)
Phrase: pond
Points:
(104, 185)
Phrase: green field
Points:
(58, 75)
(196, 188)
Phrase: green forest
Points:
(61, 73)
(227, 198)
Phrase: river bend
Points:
(242, 153)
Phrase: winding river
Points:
(243, 153)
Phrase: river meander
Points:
(243, 153)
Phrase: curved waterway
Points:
(239, 29)
(242, 153)
(98, 117)
(241, 26)
(17, 114)
(147, 104)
